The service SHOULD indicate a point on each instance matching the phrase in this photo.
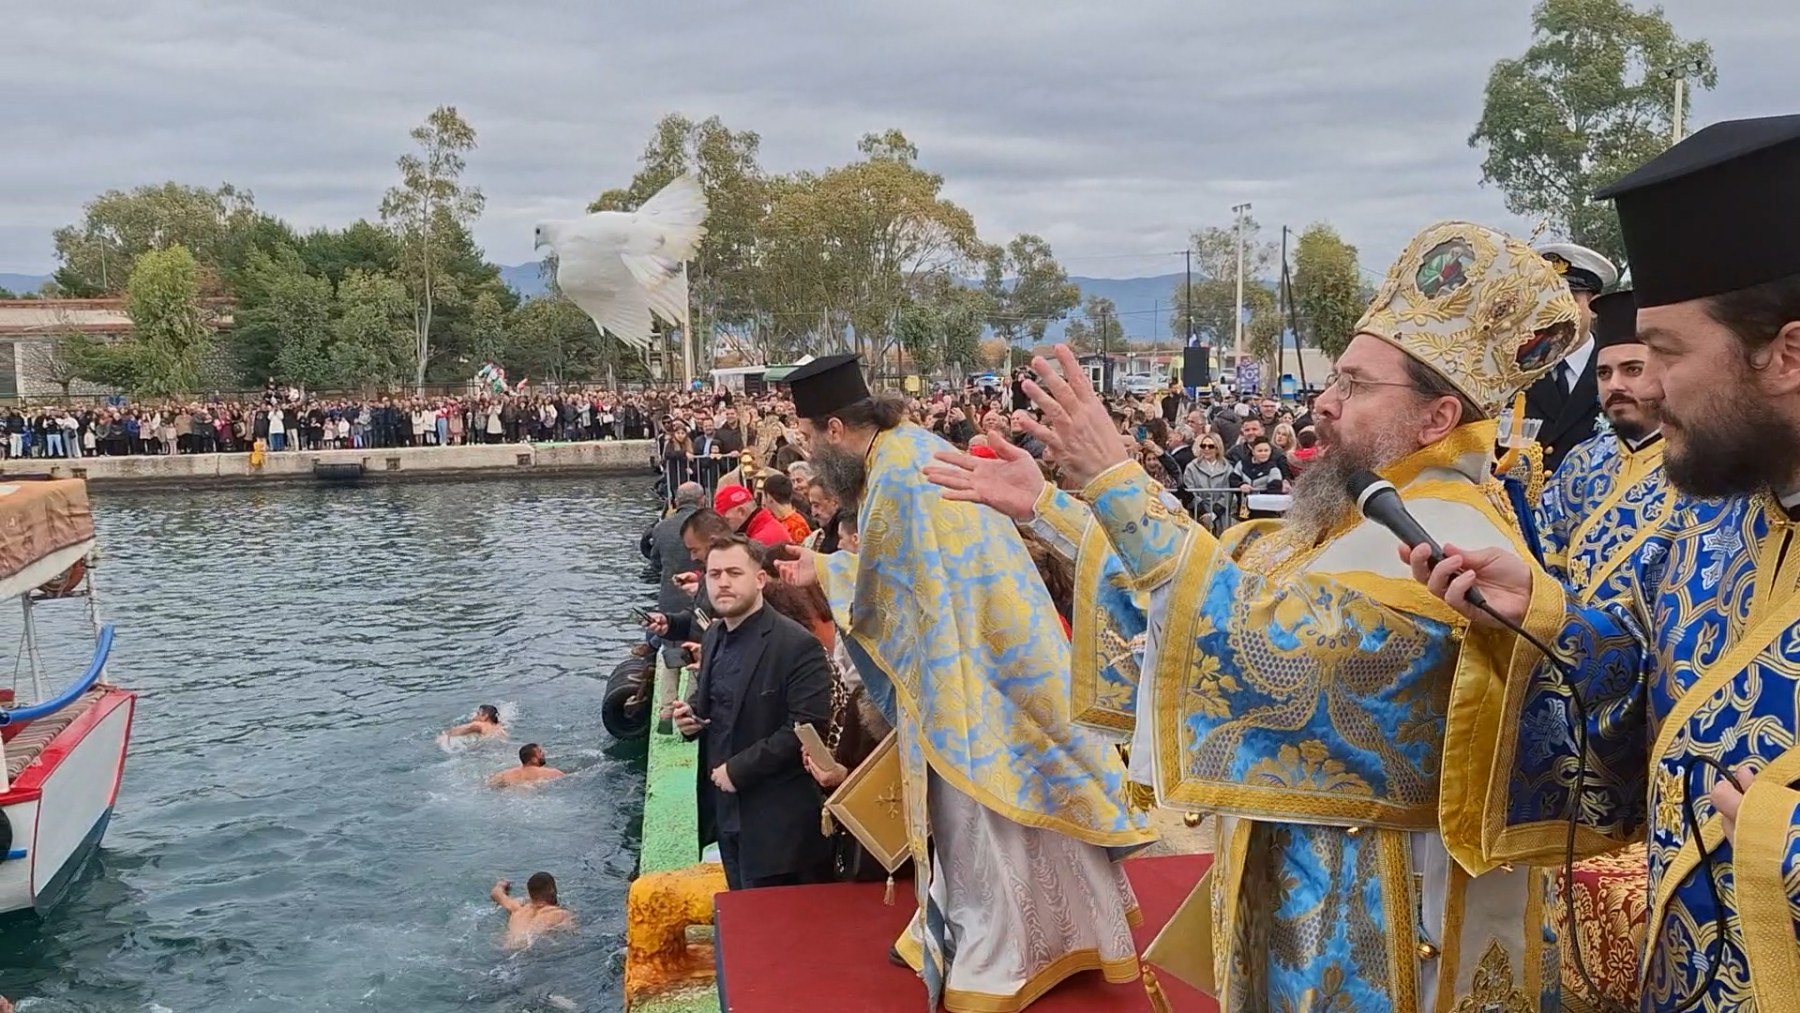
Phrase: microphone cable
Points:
(1566, 678)
(1378, 500)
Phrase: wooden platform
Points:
(825, 948)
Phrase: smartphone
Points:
(1142, 433)
(814, 746)
(640, 615)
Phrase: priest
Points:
(1293, 681)
(1016, 817)
(1673, 710)
(1609, 498)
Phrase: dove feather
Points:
(623, 268)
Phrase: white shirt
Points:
(1576, 362)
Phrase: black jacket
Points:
(778, 800)
(1567, 420)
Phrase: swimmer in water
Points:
(526, 918)
(485, 724)
(531, 768)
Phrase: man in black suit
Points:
(761, 673)
(1567, 399)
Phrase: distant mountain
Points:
(23, 284)
(1143, 304)
(524, 279)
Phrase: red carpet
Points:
(787, 949)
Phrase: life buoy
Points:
(67, 583)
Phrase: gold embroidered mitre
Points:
(1479, 307)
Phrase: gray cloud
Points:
(1113, 130)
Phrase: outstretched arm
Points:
(500, 896)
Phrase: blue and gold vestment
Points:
(1690, 647)
(1602, 505)
(1301, 692)
(955, 633)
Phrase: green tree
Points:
(920, 334)
(429, 207)
(97, 254)
(282, 324)
(1213, 295)
(171, 333)
(1327, 289)
(1027, 289)
(891, 233)
(552, 339)
(722, 284)
(333, 253)
(374, 338)
(7, 293)
(1585, 104)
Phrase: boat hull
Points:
(59, 806)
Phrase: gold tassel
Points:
(827, 826)
(1159, 1001)
(888, 897)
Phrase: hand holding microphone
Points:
(1489, 586)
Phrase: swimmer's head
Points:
(541, 887)
(531, 755)
(489, 713)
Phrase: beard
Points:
(1321, 497)
(1730, 447)
(839, 471)
(1630, 427)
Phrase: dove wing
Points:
(592, 274)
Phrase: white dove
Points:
(621, 267)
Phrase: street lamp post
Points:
(1238, 318)
(1679, 73)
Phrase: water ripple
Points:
(289, 837)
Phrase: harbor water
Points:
(290, 835)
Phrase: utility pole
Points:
(1281, 343)
(1238, 317)
(1187, 296)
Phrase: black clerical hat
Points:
(1615, 319)
(1716, 213)
(826, 385)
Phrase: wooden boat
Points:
(62, 751)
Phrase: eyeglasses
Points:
(1347, 386)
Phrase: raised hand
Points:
(1010, 482)
(800, 571)
(1077, 429)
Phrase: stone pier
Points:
(474, 461)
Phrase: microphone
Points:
(1378, 500)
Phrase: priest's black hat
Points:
(1716, 213)
(826, 385)
(1615, 319)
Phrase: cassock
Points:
(1300, 691)
(1691, 649)
(1016, 817)
(1601, 506)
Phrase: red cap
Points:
(730, 497)
(987, 452)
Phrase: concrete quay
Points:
(497, 460)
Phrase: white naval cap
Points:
(1585, 270)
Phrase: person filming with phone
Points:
(760, 674)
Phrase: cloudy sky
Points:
(1110, 128)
